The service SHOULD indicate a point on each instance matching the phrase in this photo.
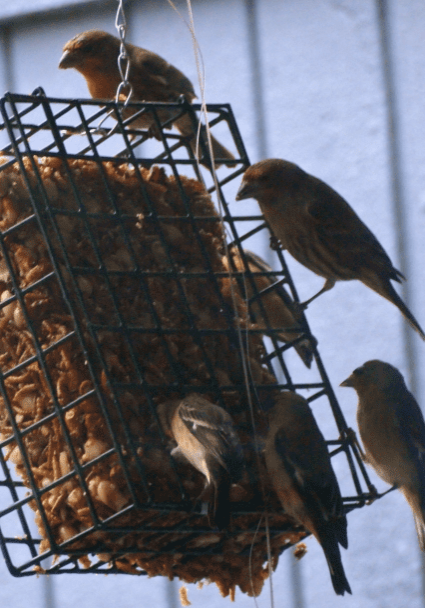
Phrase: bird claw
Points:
(374, 495)
(275, 243)
(351, 435)
(154, 131)
(329, 283)
(353, 439)
(300, 307)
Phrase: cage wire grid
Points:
(76, 130)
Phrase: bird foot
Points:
(275, 243)
(353, 439)
(374, 495)
(300, 307)
(351, 435)
(154, 131)
(329, 283)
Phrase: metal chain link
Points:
(123, 65)
(123, 57)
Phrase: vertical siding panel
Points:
(15, 591)
(326, 110)
(257, 79)
(221, 33)
(324, 101)
(37, 47)
(6, 82)
(35, 52)
(406, 25)
(407, 22)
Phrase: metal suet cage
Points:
(114, 297)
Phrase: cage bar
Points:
(81, 287)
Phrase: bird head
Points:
(267, 176)
(374, 373)
(165, 411)
(90, 50)
(288, 408)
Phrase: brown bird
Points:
(392, 430)
(206, 437)
(320, 229)
(279, 309)
(94, 54)
(300, 470)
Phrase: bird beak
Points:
(67, 61)
(246, 191)
(348, 382)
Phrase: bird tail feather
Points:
(340, 528)
(305, 352)
(416, 502)
(420, 530)
(186, 128)
(332, 553)
(219, 511)
(386, 290)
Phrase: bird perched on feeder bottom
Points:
(277, 309)
(392, 430)
(320, 229)
(300, 470)
(94, 54)
(206, 437)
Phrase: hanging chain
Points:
(123, 57)
(123, 65)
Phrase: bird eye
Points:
(87, 48)
(264, 177)
(359, 371)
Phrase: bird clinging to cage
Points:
(206, 437)
(94, 54)
(277, 309)
(300, 470)
(392, 430)
(320, 229)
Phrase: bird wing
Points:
(214, 429)
(341, 230)
(411, 423)
(308, 464)
(161, 72)
(257, 263)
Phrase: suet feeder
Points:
(114, 297)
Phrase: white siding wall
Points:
(325, 104)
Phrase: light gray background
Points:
(342, 94)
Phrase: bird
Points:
(320, 230)
(206, 437)
(94, 53)
(277, 310)
(299, 467)
(392, 430)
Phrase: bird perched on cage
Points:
(301, 473)
(206, 437)
(94, 54)
(320, 229)
(392, 430)
(276, 309)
